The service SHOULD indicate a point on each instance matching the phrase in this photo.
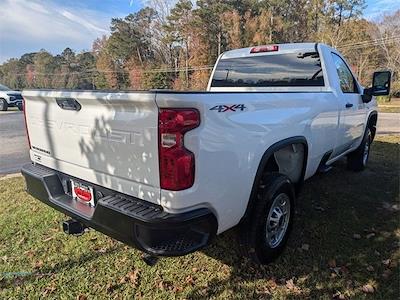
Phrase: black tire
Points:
(3, 105)
(253, 239)
(358, 159)
(20, 106)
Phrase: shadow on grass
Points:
(59, 267)
(344, 237)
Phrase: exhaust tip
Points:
(73, 227)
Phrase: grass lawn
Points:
(345, 244)
(390, 107)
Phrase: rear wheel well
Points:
(288, 157)
(287, 160)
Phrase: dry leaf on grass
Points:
(338, 295)
(132, 277)
(332, 263)
(305, 247)
(368, 289)
(292, 287)
(38, 264)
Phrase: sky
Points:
(30, 25)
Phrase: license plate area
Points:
(82, 193)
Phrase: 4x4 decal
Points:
(226, 108)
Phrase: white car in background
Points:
(9, 98)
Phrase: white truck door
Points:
(352, 109)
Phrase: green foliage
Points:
(157, 80)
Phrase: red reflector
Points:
(82, 194)
(268, 48)
(177, 163)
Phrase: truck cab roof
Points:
(281, 48)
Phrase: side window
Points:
(347, 81)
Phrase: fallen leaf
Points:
(337, 270)
(190, 280)
(370, 235)
(48, 290)
(356, 236)
(305, 247)
(332, 263)
(110, 287)
(386, 262)
(368, 289)
(21, 241)
(81, 297)
(48, 239)
(291, 286)
(272, 283)
(29, 253)
(370, 268)
(338, 295)
(133, 277)
(38, 264)
(319, 208)
(101, 250)
(194, 270)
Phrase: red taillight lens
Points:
(26, 125)
(177, 163)
(268, 48)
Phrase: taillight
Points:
(267, 48)
(26, 125)
(177, 164)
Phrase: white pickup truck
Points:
(166, 171)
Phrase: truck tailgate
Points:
(109, 139)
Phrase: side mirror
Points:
(380, 86)
(381, 83)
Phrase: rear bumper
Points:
(135, 222)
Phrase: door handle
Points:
(349, 105)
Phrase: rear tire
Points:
(264, 232)
(3, 105)
(358, 159)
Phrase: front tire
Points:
(358, 159)
(3, 105)
(20, 106)
(264, 232)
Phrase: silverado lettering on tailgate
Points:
(111, 135)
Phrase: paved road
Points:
(14, 144)
(389, 123)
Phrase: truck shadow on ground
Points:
(345, 231)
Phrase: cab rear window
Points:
(278, 70)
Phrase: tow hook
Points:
(149, 259)
(73, 227)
